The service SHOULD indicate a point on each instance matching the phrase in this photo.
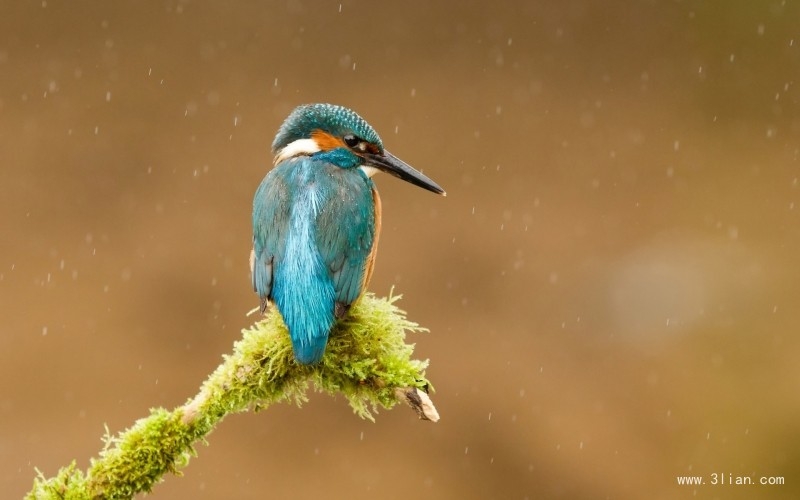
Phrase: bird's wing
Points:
(346, 236)
(270, 225)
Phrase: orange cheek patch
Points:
(326, 141)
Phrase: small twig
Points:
(419, 401)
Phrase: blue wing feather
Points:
(269, 233)
(346, 233)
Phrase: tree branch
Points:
(367, 360)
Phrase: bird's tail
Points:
(307, 309)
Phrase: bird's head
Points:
(341, 137)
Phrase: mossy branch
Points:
(367, 360)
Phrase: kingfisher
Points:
(317, 218)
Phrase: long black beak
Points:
(393, 165)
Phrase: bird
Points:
(317, 219)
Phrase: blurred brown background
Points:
(611, 284)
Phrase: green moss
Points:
(68, 484)
(366, 360)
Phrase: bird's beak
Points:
(389, 163)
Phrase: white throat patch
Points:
(300, 147)
(370, 171)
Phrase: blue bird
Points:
(316, 220)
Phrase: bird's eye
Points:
(351, 140)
